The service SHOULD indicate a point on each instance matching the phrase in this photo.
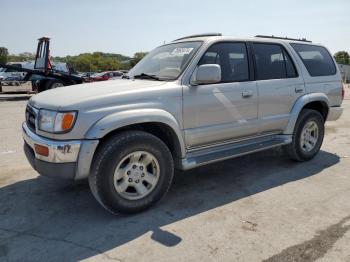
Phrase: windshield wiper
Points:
(143, 75)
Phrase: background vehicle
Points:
(85, 74)
(12, 80)
(6, 73)
(11, 77)
(46, 75)
(197, 100)
(103, 76)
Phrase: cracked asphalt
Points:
(260, 207)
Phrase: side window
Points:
(232, 58)
(316, 59)
(290, 68)
(273, 62)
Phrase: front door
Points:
(224, 111)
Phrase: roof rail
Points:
(199, 35)
(283, 38)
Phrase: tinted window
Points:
(232, 58)
(273, 62)
(290, 68)
(316, 59)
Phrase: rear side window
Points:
(316, 59)
(273, 62)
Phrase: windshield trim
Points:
(187, 64)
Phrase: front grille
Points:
(30, 118)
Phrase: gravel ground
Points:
(260, 207)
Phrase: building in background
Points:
(345, 72)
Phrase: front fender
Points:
(299, 105)
(130, 117)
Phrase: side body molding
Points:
(136, 116)
(298, 106)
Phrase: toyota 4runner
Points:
(197, 100)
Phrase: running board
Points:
(205, 156)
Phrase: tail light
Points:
(342, 93)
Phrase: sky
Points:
(129, 26)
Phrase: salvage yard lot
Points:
(253, 208)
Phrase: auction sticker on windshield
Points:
(181, 51)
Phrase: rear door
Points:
(279, 85)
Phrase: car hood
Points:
(93, 94)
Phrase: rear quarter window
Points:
(316, 59)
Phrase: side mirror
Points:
(206, 74)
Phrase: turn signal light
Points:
(67, 121)
(41, 150)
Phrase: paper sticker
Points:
(181, 51)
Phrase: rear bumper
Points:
(334, 113)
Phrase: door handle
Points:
(299, 89)
(246, 94)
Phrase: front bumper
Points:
(68, 159)
(56, 170)
(334, 113)
(59, 151)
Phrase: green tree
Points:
(137, 57)
(86, 62)
(342, 57)
(3, 55)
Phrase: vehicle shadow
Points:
(51, 221)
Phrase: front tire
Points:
(307, 136)
(131, 172)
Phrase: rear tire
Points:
(123, 167)
(307, 136)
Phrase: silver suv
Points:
(194, 101)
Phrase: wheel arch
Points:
(315, 101)
(155, 121)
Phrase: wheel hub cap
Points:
(309, 136)
(136, 175)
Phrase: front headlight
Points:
(56, 122)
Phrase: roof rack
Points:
(283, 38)
(199, 35)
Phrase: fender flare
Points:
(121, 119)
(299, 105)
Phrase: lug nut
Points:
(141, 167)
(128, 172)
(136, 181)
(143, 174)
(134, 166)
(130, 180)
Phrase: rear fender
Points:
(299, 105)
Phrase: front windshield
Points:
(166, 62)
